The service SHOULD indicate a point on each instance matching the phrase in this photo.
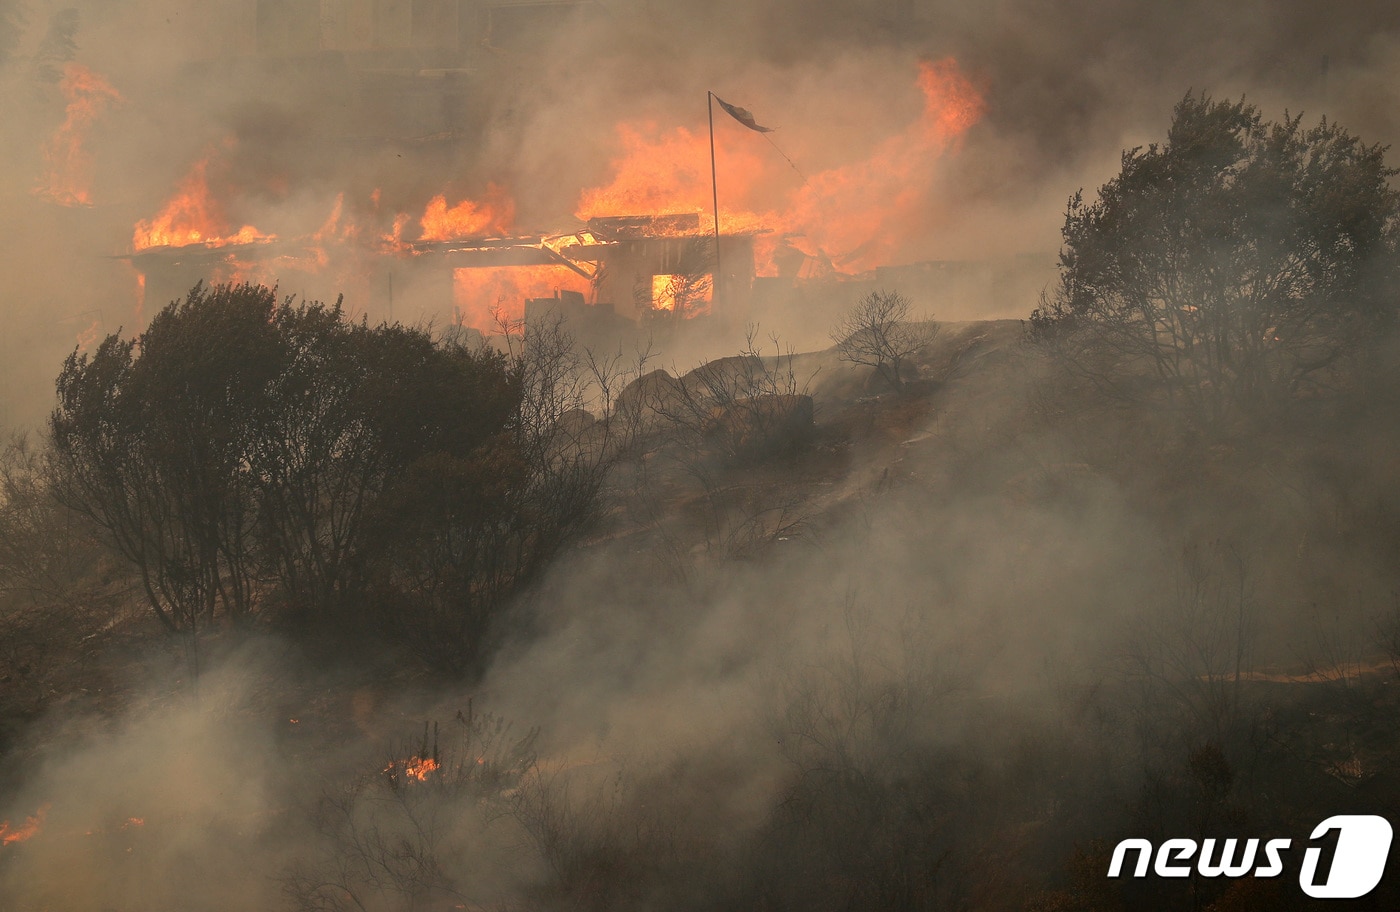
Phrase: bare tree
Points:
(750, 405)
(55, 595)
(878, 333)
(45, 550)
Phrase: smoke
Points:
(58, 47)
(1065, 88)
(11, 25)
(967, 562)
(168, 807)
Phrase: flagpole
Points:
(714, 192)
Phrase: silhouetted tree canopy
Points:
(244, 453)
(155, 439)
(1231, 269)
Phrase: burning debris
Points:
(414, 769)
(484, 297)
(27, 830)
(194, 216)
(420, 765)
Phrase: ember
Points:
(21, 833)
(415, 767)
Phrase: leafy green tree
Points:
(1234, 268)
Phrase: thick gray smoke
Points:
(1066, 87)
(920, 585)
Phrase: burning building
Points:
(635, 267)
(411, 85)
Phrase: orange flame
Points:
(414, 767)
(855, 213)
(89, 336)
(683, 295)
(331, 226)
(193, 216)
(67, 162)
(858, 213)
(849, 217)
(665, 174)
(393, 239)
(663, 295)
(494, 214)
(331, 230)
(21, 833)
(480, 295)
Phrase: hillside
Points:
(992, 610)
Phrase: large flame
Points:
(492, 215)
(335, 229)
(856, 213)
(484, 299)
(67, 177)
(859, 213)
(26, 830)
(869, 209)
(193, 216)
(663, 173)
(392, 240)
(683, 295)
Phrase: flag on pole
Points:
(742, 115)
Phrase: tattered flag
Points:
(742, 115)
